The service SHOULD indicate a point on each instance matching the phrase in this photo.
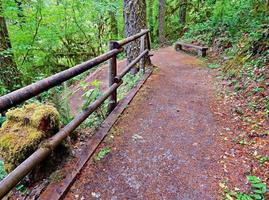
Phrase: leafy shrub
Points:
(2, 119)
(258, 190)
(93, 92)
(3, 173)
(213, 66)
(102, 153)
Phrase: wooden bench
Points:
(201, 50)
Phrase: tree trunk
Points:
(135, 20)
(113, 25)
(10, 75)
(151, 19)
(161, 22)
(183, 12)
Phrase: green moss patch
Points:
(24, 130)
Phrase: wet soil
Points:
(166, 144)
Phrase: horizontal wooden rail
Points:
(132, 38)
(14, 98)
(129, 67)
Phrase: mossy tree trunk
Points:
(183, 12)
(135, 20)
(10, 76)
(161, 22)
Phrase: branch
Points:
(38, 19)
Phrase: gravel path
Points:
(165, 145)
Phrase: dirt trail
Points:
(165, 144)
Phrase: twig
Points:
(38, 19)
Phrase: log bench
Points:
(201, 50)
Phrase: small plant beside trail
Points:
(3, 172)
(214, 66)
(2, 119)
(102, 153)
(129, 81)
(61, 101)
(92, 93)
(258, 191)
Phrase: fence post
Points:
(112, 73)
(142, 48)
(148, 43)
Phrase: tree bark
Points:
(135, 20)
(161, 22)
(183, 12)
(10, 75)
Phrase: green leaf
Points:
(102, 153)
(2, 120)
(258, 191)
(213, 66)
(254, 179)
(3, 173)
(257, 196)
(96, 83)
(258, 185)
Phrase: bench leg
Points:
(178, 47)
(202, 53)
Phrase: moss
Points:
(56, 176)
(33, 114)
(24, 130)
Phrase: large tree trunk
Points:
(183, 12)
(161, 22)
(135, 20)
(10, 75)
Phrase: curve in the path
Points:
(166, 145)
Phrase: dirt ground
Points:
(166, 144)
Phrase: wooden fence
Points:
(14, 98)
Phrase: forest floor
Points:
(168, 143)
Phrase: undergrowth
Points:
(240, 48)
(93, 92)
(3, 172)
(257, 191)
(102, 153)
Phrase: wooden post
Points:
(202, 52)
(148, 41)
(142, 48)
(178, 47)
(112, 73)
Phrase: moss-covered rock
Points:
(24, 130)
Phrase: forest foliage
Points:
(50, 36)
